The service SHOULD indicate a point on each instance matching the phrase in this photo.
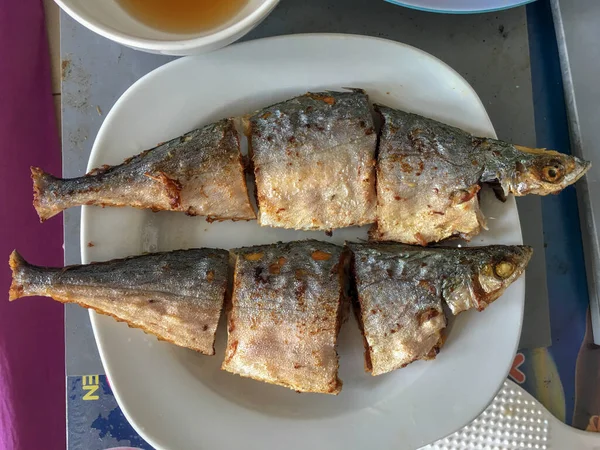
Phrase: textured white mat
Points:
(515, 420)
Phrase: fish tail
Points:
(44, 185)
(21, 273)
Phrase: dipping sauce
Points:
(183, 16)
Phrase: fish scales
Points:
(400, 289)
(177, 296)
(314, 159)
(429, 175)
(199, 173)
(284, 316)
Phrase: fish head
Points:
(542, 172)
(497, 267)
(483, 274)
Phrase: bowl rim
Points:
(159, 45)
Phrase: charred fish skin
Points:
(428, 175)
(177, 296)
(284, 315)
(400, 289)
(314, 159)
(199, 173)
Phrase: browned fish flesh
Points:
(400, 288)
(200, 173)
(429, 175)
(314, 159)
(176, 296)
(284, 316)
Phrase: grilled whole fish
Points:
(284, 316)
(176, 296)
(314, 159)
(429, 174)
(199, 173)
(400, 289)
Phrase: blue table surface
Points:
(567, 288)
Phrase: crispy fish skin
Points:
(400, 288)
(429, 174)
(177, 296)
(199, 173)
(284, 316)
(314, 159)
(400, 313)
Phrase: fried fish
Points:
(429, 174)
(314, 159)
(400, 289)
(199, 173)
(284, 316)
(177, 296)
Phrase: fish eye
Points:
(504, 269)
(553, 172)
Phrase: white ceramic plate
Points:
(177, 399)
(460, 6)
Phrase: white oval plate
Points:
(460, 6)
(177, 399)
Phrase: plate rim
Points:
(458, 11)
(169, 66)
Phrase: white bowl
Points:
(109, 19)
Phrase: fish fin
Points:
(500, 191)
(481, 219)
(536, 151)
(437, 347)
(461, 196)
(172, 187)
(18, 265)
(43, 183)
(354, 89)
